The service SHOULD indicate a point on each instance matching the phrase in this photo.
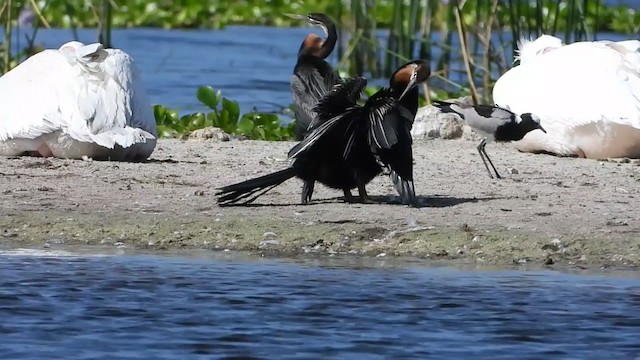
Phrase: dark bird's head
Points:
(407, 76)
(313, 44)
(529, 122)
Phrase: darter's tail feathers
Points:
(247, 191)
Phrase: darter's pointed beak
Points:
(297, 16)
(410, 86)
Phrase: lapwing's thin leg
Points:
(484, 150)
(481, 146)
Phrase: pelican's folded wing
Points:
(32, 96)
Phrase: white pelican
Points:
(529, 49)
(587, 95)
(79, 100)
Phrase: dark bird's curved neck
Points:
(327, 46)
(330, 43)
(410, 99)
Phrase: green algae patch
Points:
(287, 237)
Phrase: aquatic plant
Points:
(17, 16)
(224, 114)
(381, 13)
(470, 42)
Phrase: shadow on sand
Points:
(422, 201)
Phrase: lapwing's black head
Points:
(409, 75)
(529, 122)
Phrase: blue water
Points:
(152, 307)
(251, 65)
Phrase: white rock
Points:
(430, 123)
(209, 133)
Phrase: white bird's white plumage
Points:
(529, 49)
(587, 95)
(79, 100)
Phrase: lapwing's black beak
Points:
(541, 128)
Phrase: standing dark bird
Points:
(379, 130)
(325, 163)
(312, 79)
(312, 76)
(494, 123)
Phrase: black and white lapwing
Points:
(494, 123)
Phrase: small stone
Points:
(8, 233)
(475, 238)
(86, 158)
(513, 171)
(198, 193)
(460, 252)
(381, 255)
(119, 243)
(209, 133)
(269, 234)
(616, 222)
(269, 242)
(442, 253)
(548, 261)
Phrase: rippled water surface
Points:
(152, 307)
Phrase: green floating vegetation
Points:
(224, 114)
(219, 13)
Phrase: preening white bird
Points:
(587, 95)
(79, 100)
(494, 123)
(529, 50)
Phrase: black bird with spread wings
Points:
(326, 163)
(379, 130)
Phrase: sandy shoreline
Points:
(549, 210)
